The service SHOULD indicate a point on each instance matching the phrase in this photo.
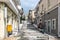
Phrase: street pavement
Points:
(31, 33)
(10, 38)
(50, 36)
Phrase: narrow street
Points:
(31, 33)
(29, 19)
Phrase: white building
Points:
(9, 15)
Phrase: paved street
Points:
(31, 33)
(10, 38)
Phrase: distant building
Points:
(31, 15)
(37, 14)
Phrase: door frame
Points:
(50, 25)
(46, 25)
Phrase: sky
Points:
(28, 4)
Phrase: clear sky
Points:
(28, 4)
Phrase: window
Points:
(46, 26)
(42, 7)
(48, 3)
(39, 2)
(37, 9)
(54, 24)
(41, 13)
(49, 26)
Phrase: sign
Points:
(9, 28)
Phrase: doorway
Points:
(49, 26)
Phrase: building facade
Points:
(31, 15)
(37, 15)
(8, 16)
(49, 14)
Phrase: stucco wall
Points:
(52, 15)
(53, 4)
(2, 25)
